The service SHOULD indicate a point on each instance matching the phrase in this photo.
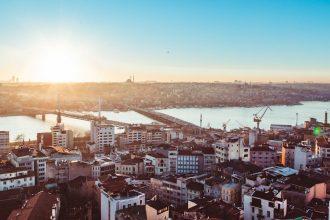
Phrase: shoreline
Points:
(114, 110)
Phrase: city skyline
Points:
(258, 41)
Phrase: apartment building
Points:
(130, 167)
(263, 156)
(231, 148)
(189, 162)
(61, 137)
(173, 189)
(4, 142)
(30, 159)
(322, 147)
(15, 177)
(158, 161)
(287, 157)
(305, 157)
(264, 205)
(103, 135)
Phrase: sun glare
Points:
(57, 62)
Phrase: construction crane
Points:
(257, 117)
(224, 125)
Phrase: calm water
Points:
(213, 116)
(29, 126)
(279, 115)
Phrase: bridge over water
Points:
(70, 114)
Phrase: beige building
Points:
(130, 167)
(230, 193)
(156, 210)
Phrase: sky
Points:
(182, 40)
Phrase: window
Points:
(252, 209)
(268, 214)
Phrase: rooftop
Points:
(26, 151)
(38, 207)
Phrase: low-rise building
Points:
(31, 159)
(264, 205)
(230, 193)
(173, 189)
(60, 154)
(302, 189)
(158, 161)
(130, 167)
(263, 156)
(15, 177)
(156, 210)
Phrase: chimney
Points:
(326, 118)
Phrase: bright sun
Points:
(57, 62)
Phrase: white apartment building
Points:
(304, 157)
(61, 137)
(102, 135)
(4, 143)
(30, 159)
(264, 205)
(159, 162)
(231, 149)
(113, 202)
(322, 147)
(14, 177)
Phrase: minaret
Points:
(58, 119)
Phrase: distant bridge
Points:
(167, 119)
(76, 115)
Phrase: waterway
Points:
(242, 116)
(214, 117)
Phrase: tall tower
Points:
(58, 119)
